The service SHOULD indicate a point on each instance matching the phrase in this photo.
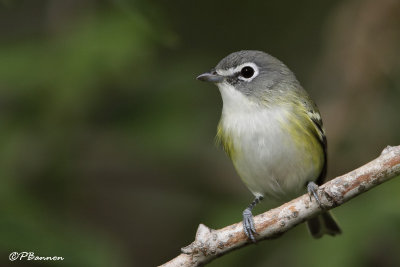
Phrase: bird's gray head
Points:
(253, 73)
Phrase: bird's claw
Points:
(312, 189)
(248, 224)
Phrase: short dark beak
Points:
(210, 77)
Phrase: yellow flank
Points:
(225, 140)
(305, 135)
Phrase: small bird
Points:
(273, 133)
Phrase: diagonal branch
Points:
(210, 243)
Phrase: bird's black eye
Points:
(247, 72)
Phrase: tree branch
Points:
(210, 243)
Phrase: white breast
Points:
(267, 159)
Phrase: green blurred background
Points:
(107, 140)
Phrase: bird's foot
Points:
(248, 224)
(312, 189)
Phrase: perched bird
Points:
(272, 131)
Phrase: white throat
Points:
(234, 101)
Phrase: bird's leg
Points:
(248, 221)
(312, 189)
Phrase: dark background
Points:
(107, 153)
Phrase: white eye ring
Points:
(253, 67)
(238, 69)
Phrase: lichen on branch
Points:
(210, 243)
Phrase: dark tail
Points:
(323, 224)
